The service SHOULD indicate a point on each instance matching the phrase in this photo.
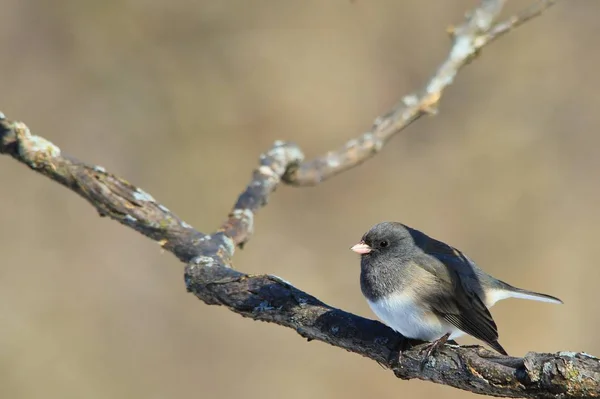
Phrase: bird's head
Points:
(388, 238)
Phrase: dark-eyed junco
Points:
(428, 290)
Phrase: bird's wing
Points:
(465, 310)
(450, 260)
(459, 300)
(439, 249)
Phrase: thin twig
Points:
(477, 31)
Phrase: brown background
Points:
(181, 97)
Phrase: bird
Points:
(428, 290)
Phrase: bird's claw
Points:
(431, 348)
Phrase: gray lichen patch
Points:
(263, 307)
(130, 219)
(294, 155)
(205, 261)
(30, 146)
(333, 161)
(285, 153)
(370, 138)
(142, 196)
(247, 216)
(351, 144)
(567, 354)
(302, 301)
(410, 101)
(279, 279)
(186, 225)
(267, 171)
(588, 355)
(226, 243)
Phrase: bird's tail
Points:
(497, 347)
(534, 296)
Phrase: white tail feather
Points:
(496, 295)
(534, 297)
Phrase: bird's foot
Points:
(431, 348)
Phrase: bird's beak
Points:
(361, 248)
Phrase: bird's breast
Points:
(407, 315)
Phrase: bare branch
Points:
(517, 20)
(109, 194)
(477, 31)
(211, 278)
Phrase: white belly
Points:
(401, 313)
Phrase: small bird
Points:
(427, 290)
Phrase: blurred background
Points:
(181, 97)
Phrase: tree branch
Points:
(468, 39)
(210, 277)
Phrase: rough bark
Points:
(209, 275)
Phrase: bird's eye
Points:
(383, 244)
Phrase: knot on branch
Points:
(35, 151)
(274, 164)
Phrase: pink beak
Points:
(361, 248)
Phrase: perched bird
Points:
(427, 290)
